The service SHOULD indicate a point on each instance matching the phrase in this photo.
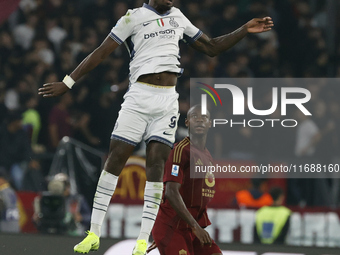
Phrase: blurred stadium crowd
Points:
(44, 40)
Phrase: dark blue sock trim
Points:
(104, 193)
(150, 213)
(99, 209)
(153, 197)
(105, 188)
(147, 218)
(152, 202)
(100, 204)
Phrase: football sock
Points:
(152, 199)
(106, 186)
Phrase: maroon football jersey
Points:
(196, 193)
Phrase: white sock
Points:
(105, 188)
(152, 199)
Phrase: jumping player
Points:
(179, 227)
(151, 34)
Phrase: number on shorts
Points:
(173, 122)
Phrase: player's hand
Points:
(202, 235)
(53, 89)
(259, 25)
(151, 247)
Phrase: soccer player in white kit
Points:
(151, 34)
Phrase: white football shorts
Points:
(149, 112)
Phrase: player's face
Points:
(197, 123)
(164, 5)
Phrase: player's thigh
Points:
(130, 126)
(163, 125)
(206, 249)
(170, 242)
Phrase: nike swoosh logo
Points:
(165, 133)
(146, 23)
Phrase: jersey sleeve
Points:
(191, 33)
(123, 28)
(176, 165)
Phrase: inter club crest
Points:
(173, 23)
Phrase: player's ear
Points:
(209, 123)
(186, 122)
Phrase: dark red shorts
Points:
(180, 242)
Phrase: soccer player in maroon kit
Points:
(182, 217)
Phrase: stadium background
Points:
(44, 40)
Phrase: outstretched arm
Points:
(214, 46)
(90, 62)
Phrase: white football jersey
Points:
(152, 39)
